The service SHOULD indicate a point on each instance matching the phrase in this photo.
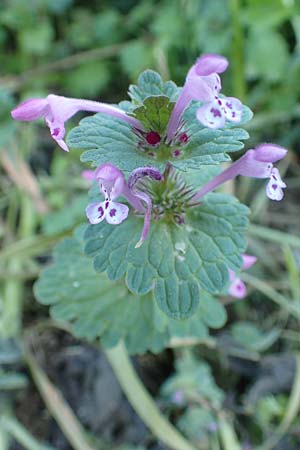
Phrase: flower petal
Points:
(111, 180)
(95, 212)
(274, 190)
(31, 109)
(88, 175)
(211, 115)
(210, 63)
(237, 288)
(269, 153)
(233, 109)
(116, 213)
(248, 261)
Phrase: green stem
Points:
(31, 246)
(272, 294)
(239, 86)
(142, 402)
(274, 235)
(228, 436)
(21, 435)
(56, 404)
(13, 288)
(292, 410)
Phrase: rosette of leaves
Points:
(98, 308)
(182, 265)
(106, 138)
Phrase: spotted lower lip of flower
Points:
(214, 114)
(56, 110)
(256, 163)
(237, 287)
(112, 184)
(113, 212)
(202, 83)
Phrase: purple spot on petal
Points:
(229, 105)
(55, 132)
(233, 114)
(216, 112)
(100, 209)
(112, 212)
(106, 205)
(220, 102)
(274, 186)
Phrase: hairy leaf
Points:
(180, 263)
(154, 114)
(150, 83)
(99, 308)
(107, 138)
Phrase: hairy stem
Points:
(142, 402)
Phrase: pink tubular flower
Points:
(203, 84)
(237, 287)
(56, 110)
(254, 163)
(136, 175)
(112, 184)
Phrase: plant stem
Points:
(274, 235)
(272, 294)
(21, 435)
(142, 402)
(239, 86)
(291, 411)
(56, 404)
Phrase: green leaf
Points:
(154, 114)
(107, 138)
(207, 145)
(178, 262)
(149, 84)
(99, 308)
(193, 377)
(251, 337)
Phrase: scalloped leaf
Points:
(178, 263)
(207, 145)
(108, 139)
(155, 112)
(99, 308)
(150, 83)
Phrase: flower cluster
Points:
(202, 84)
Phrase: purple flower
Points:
(237, 287)
(56, 110)
(88, 175)
(256, 163)
(204, 84)
(214, 113)
(178, 397)
(136, 175)
(112, 184)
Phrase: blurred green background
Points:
(95, 50)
